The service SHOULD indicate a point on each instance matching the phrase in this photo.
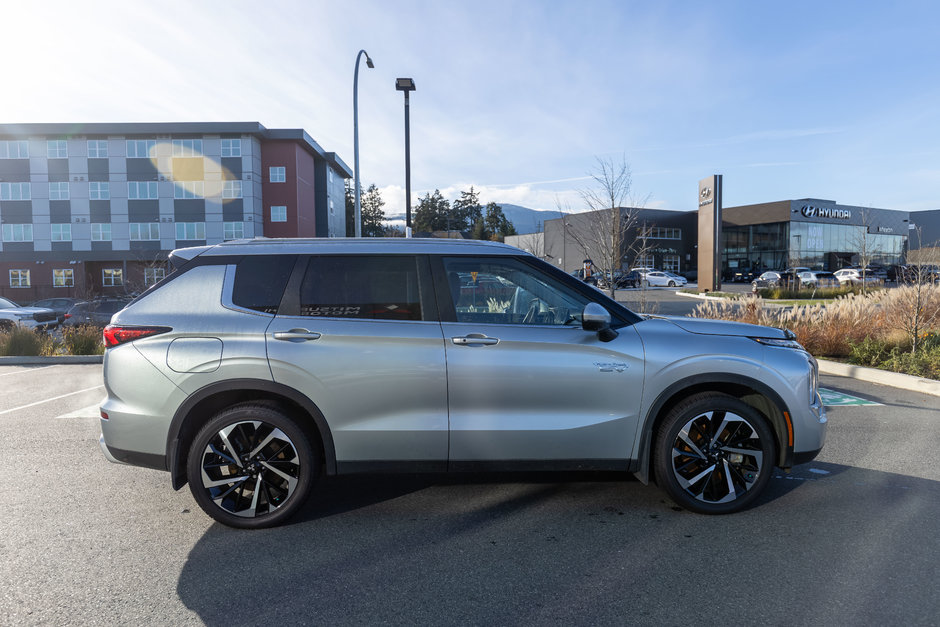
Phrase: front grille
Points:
(44, 316)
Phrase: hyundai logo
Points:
(811, 211)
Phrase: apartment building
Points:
(95, 209)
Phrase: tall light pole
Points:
(358, 216)
(407, 85)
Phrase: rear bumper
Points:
(132, 458)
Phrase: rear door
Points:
(360, 336)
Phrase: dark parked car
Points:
(60, 305)
(96, 312)
(630, 279)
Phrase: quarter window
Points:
(57, 149)
(277, 174)
(260, 281)
(376, 288)
(63, 277)
(19, 278)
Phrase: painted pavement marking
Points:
(831, 398)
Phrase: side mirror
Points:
(596, 318)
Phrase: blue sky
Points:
(834, 100)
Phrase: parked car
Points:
(631, 279)
(60, 305)
(818, 279)
(771, 278)
(663, 279)
(97, 312)
(854, 276)
(260, 365)
(743, 275)
(37, 318)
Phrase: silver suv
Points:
(257, 366)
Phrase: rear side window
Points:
(260, 281)
(371, 287)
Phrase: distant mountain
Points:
(524, 219)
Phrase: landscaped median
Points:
(896, 329)
(66, 342)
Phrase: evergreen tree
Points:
(466, 211)
(373, 217)
(431, 213)
(497, 225)
(350, 211)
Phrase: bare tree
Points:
(606, 232)
(914, 308)
(865, 246)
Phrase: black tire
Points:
(245, 490)
(672, 284)
(714, 454)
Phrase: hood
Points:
(704, 326)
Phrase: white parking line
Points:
(7, 374)
(49, 400)
(92, 411)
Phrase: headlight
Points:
(767, 341)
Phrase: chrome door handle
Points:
(296, 335)
(475, 339)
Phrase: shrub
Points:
(23, 342)
(791, 293)
(83, 340)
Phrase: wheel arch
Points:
(754, 393)
(207, 401)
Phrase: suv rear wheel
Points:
(714, 454)
(251, 466)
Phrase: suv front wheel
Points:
(714, 454)
(251, 466)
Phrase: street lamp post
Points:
(407, 85)
(358, 216)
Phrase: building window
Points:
(645, 261)
(19, 278)
(231, 148)
(61, 232)
(671, 263)
(57, 149)
(59, 191)
(278, 213)
(657, 232)
(153, 275)
(142, 190)
(190, 230)
(97, 148)
(14, 150)
(64, 277)
(112, 277)
(233, 230)
(100, 232)
(188, 189)
(99, 190)
(277, 174)
(15, 191)
(187, 147)
(232, 189)
(17, 232)
(144, 231)
(140, 148)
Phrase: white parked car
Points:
(12, 314)
(853, 276)
(657, 278)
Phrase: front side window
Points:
(101, 232)
(142, 190)
(190, 230)
(144, 231)
(507, 291)
(62, 232)
(63, 277)
(233, 230)
(278, 213)
(15, 191)
(14, 150)
(277, 174)
(99, 190)
(231, 148)
(57, 149)
(19, 278)
(112, 277)
(140, 148)
(187, 147)
(17, 232)
(97, 148)
(232, 189)
(59, 191)
(361, 287)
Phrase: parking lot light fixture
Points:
(407, 85)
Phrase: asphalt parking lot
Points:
(845, 540)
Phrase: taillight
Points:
(115, 335)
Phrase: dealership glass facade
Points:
(818, 246)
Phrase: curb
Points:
(51, 361)
(882, 377)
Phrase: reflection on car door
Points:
(361, 343)
(525, 382)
